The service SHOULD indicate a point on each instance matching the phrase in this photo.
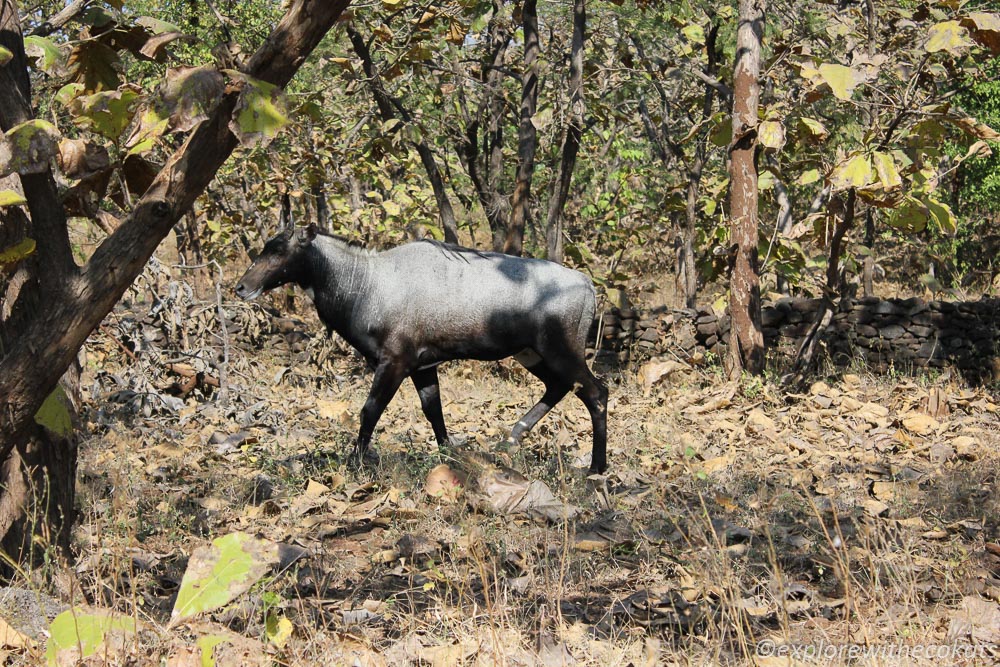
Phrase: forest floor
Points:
(856, 522)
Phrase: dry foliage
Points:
(861, 512)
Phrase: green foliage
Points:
(219, 573)
(77, 634)
(54, 414)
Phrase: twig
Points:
(224, 364)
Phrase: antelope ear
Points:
(307, 235)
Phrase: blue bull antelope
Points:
(410, 308)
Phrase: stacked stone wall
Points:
(901, 334)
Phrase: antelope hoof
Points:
(369, 459)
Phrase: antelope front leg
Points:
(388, 376)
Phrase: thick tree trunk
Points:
(746, 348)
(526, 136)
(42, 343)
(571, 143)
(388, 108)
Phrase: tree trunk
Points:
(388, 108)
(807, 349)
(746, 348)
(42, 343)
(783, 225)
(526, 135)
(571, 143)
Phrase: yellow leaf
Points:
(808, 176)
(279, 630)
(885, 166)
(11, 198)
(771, 134)
(391, 208)
(842, 80)
(815, 128)
(947, 36)
(854, 172)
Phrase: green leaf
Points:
(28, 147)
(54, 414)
(10, 198)
(694, 33)
(909, 215)
(808, 176)
(156, 26)
(391, 208)
(722, 133)
(948, 36)
(943, 215)
(842, 80)
(47, 54)
(108, 113)
(771, 134)
(68, 93)
(260, 113)
(814, 128)
(207, 646)
(76, 634)
(5, 56)
(219, 573)
(854, 172)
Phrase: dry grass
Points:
(733, 514)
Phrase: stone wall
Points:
(903, 334)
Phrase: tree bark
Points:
(526, 136)
(46, 341)
(388, 108)
(807, 349)
(571, 142)
(746, 348)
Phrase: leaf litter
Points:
(862, 505)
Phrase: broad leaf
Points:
(15, 253)
(948, 36)
(854, 172)
(5, 56)
(814, 128)
(842, 80)
(156, 26)
(28, 147)
(107, 113)
(985, 29)
(54, 414)
(974, 128)
(219, 573)
(885, 167)
(11, 198)
(47, 54)
(68, 93)
(79, 159)
(260, 113)
(695, 33)
(942, 214)
(76, 634)
(809, 176)
(95, 65)
(910, 216)
(278, 629)
(185, 99)
(771, 134)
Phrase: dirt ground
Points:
(856, 522)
